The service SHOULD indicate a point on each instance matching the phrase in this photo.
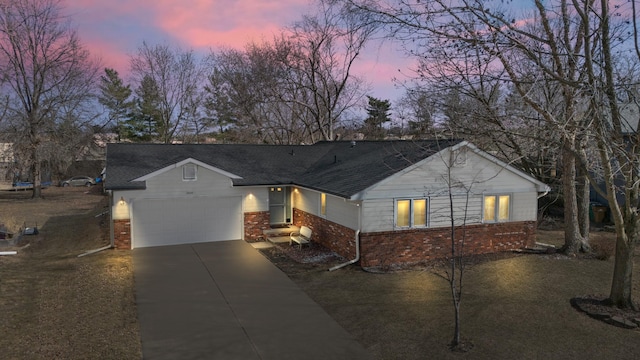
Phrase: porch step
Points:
(283, 231)
(278, 239)
(280, 234)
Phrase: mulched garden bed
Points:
(293, 259)
(314, 253)
(598, 308)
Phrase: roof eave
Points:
(137, 185)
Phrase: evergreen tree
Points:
(115, 96)
(145, 120)
(378, 112)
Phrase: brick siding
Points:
(122, 234)
(338, 238)
(254, 223)
(382, 249)
(415, 246)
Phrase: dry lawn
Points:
(513, 307)
(55, 305)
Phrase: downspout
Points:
(95, 250)
(111, 227)
(543, 194)
(357, 242)
(354, 260)
(111, 237)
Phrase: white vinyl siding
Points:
(338, 210)
(465, 211)
(427, 180)
(377, 215)
(203, 199)
(524, 206)
(210, 183)
(307, 201)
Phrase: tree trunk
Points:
(622, 285)
(36, 166)
(37, 179)
(456, 333)
(573, 241)
(582, 189)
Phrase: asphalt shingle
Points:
(341, 168)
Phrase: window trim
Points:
(412, 213)
(496, 213)
(185, 168)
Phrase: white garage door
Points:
(157, 222)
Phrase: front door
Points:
(278, 209)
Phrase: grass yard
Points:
(514, 307)
(55, 305)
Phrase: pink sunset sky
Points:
(113, 30)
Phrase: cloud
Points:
(207, 23)
(113, 30)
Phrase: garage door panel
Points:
(157, 222)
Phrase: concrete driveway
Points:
(224, 300)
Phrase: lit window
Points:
(490, 208)
(404, 213)
(496, 208)
(503, 208)
(189, 172)
(411, 213)
(420, 212)
(323, 204)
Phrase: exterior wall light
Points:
(121, 202)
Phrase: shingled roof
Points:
(342, 168)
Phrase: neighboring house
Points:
(95, 149)
(7, 160)
(630, 118)
(389, 199)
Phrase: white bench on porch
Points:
(300, 237)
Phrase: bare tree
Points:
(329, 44)
(458, 221)
(47, 75)
(417, 112)
(464, 187)
(246, 93)
(484, 48)
(618, 145)
(570, 46)
(178, 75)
(296, 88)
